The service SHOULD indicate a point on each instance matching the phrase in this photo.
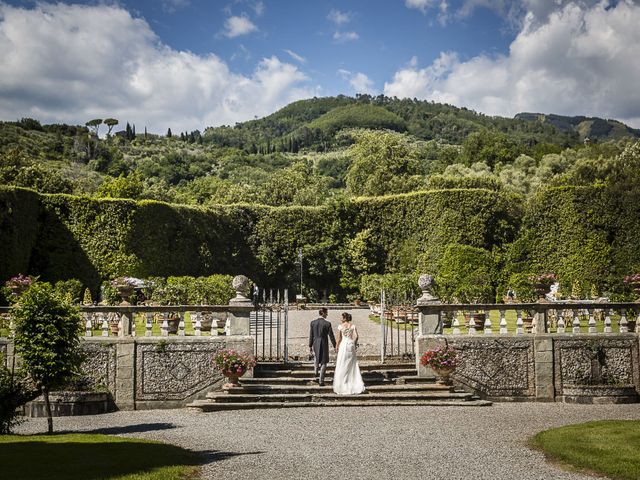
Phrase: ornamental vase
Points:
(232, 378)
(444, 374)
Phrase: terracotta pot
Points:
(174, 323)
(444, 374)
(114, 326)
(232, 378)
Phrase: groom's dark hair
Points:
(323, 310)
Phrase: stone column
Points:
(543, 358)
(240, 308)
(428, 323)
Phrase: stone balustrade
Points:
(568, 317)
(156, 321)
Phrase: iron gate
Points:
(269, 324)
(398, 325)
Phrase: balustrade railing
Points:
(148, 321)
(569, 317)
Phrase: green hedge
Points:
(586, 233)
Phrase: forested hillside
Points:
(311, 151)
(370, 186)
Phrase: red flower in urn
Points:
(233, 364)
(443, 360)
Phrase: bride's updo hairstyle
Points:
(345, 317)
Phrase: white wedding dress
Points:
(347, 379)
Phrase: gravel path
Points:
(373, 442)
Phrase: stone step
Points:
(208, 406)
(308, 381)
(329, 397)
(257, 389)
(308, 366)
(366, 374)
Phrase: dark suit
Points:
(319, 335)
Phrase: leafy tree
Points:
(47, 339)
(110, 123)
(383, 163)
(490, 147)
(94, 125)
(130, 186)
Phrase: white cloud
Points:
(422, 5)
(238, 25)
(71, 63)
(295, 56)
(171, 6)
(258, 8)
(580, 60)
(338, 17)
(359, 82)
(341, 37)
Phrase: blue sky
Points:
(193, 63)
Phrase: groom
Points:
(319, 336)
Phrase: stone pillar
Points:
(240, 308)
(125, 375)
(428, 323)
(543, 357)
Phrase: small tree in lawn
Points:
(47, 339)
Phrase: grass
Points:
(94, 457)
(605, 447)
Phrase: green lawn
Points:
(93, 457)
(610, 447)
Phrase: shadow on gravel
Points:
(212, 456)
(138, 428)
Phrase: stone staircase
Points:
(291, 385)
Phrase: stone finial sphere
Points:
(240, 284)
(425, 282)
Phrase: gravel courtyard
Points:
(372, 442)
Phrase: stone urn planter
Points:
(444, 375)
(233, 378)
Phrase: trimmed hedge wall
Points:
(588, 233)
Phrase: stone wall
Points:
(579, 368)
(146, 373)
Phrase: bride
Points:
(347, 379)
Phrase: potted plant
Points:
(633, 281)
(542, 284)
(442, 360)
(233, 364)
(19, 284)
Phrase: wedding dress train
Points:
(347, 379)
